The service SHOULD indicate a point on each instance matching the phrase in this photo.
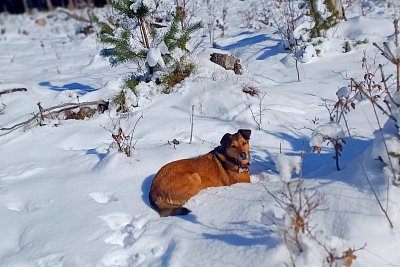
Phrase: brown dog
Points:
(178, 181)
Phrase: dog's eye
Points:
(244, 143)
(233, 146)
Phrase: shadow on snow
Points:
(80, 88)
(268, 51)
(322, 165)
(146, 188)
(93, 151)
(245, 42)
(254, 235)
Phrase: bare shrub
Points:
(123, 137)
(375, 86)
(299, 205)
(345, 258)
(258, 111)
(331, 134)
(296, 228)
(222, 23)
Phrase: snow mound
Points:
(343, 92)
(154, 57)
(287, 165)
(325, 132)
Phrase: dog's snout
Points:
(243, 155)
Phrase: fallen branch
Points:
(46, 112)
(13, 90)
(74, 16)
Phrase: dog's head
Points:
(236, 147)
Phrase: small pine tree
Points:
(119, 33)
(321, 23)
(178, 37)
(136, 30)
(346, 47)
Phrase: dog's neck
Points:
(228, 162)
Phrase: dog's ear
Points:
(226, 139)
(245, 133)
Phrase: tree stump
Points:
(227, 62)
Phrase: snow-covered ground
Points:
(67, 198)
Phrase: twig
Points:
(133, 131)
(258, 117)
(396, 31)
(40, 113)
(384, 81)
(13, 90)
(331, 256)
(387, 152)
(387, 53)
(290, 252)
(191, 125)
(74, 16)
(359, 89)
(373, 103)
(367, 178)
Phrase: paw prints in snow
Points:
(124, 232)
(103, 197)
(20, 207)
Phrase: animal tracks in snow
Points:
(103, 197)
(121, 229)
(54, 260)
(124, 230)
(116, 221)
(123, 234)
(22, 174)
(20, 207)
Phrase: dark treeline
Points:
(22, 6)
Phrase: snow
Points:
(343, 92)
(287, 165)
(68, 198)
(288, 61)
(163, 48)
(391, 50)
(154, 57)
(308, 53)
(326, 132)
(320, 6)
(394, 101)
(136, 4)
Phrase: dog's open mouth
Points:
(244, 167)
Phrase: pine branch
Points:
(170, 36)
(194, 27)
(124, 8)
